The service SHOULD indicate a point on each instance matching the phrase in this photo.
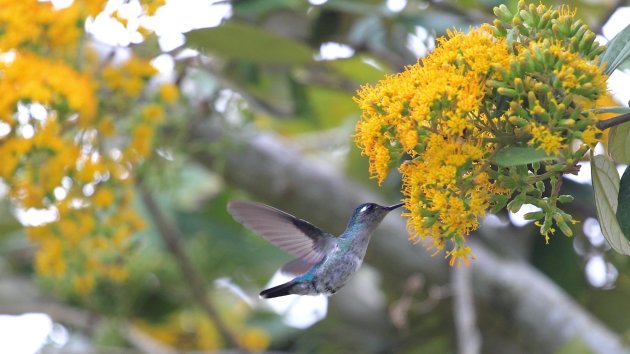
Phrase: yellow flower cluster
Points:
(525, 82)
(54, 84)
(32, 22)
(67, 114)
(128, 79)
(192, 330)
(431, 112)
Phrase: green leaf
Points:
(618, 51)
(515, 156)
(616, 110)
(618, 143)
(606, 188)
(623, 201)
(259, 7)
(237, 40)
(358, 69)
(574, 346)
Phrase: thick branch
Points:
(172, 236)
(545, 313)
(274, 173)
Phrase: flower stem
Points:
(611, 122)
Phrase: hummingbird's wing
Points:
(295, 236)
(296, 267)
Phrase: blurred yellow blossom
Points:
(169, 93)
(153, 113)
(32, 22)
(51, 83)
(254, 339)
(66, 106)
(83, 283)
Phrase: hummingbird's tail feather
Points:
(277, 291)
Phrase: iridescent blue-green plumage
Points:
(324, 263)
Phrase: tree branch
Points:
(607, 15)
(468, 337)
(274, 173)
(171, 237)
(611, 122)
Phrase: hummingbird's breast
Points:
(336, 269)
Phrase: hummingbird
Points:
(324, 263)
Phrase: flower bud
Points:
(518, 121)
(516, 204)
(503, 13)
(586, 42)
(499, 29)
(565, 229)
(565, 198)
(504, 91)
(535, 215)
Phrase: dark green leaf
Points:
(606, 189)
(515, 156)
(623, 203)
(618, 143)
(237, 40)
(618, 50)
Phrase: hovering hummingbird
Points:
(324, 262)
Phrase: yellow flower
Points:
(153, 113)
(117, 273)
(592, 135)
(142, 140)
(49, 260)
(106, 126)
(151, 6)
(254, 339)
(83, 284)
(130, 77)
(169, 93)
(545, 139)
(53, 84)
(460, 254)
(444, 90)
(104, 197)
(37, 24)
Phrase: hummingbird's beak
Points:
(395, 206)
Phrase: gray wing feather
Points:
(296, 267)
(295, 236)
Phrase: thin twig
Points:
(172, 236)
(468, 338)
(611, 122)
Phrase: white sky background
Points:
(26, 334)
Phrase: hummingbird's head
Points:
(371, 214)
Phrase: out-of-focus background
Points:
(265, 112)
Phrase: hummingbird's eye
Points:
(367, 207)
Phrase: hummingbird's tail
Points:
(276, 291)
